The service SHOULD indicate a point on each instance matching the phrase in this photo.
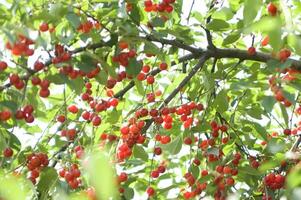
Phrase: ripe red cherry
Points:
(96, 121)
(44, 93)
(113, 102)
(150, 191)
(165, 139)
(157, 151)
(187, 140)
(287, 131)
(150, 79)
(5, 115)
(123, 177)
(123, 45)
(251, 51)
(3, 65)
(163, 66)
(140, 77)
(35, 80)
(230, 181)
(272, 9)
(8, 152)
(155, 174)
(44, 27)
(73, 109)
(61, 118)
(38, 66)
(146, 68)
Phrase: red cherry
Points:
(163, 66)
(123, 45)
(73, 109)
(35, 80)
(29, 118)
(3, 65)
(161, 169)
(251, 51)
(230, 181)
(157, 151)
(150, 79)
(62, 173)
(44, 93)
(38, 66)
(5, 115)
(123, 177)
(61, 118)
(96, 121)
(146, 68)
(287, 131)
(155, 174)
(187, 141)
(272, 9)
(8, 152)
(44, 27)
(150, 191)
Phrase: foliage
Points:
(135, 100)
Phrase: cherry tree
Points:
(133, 99)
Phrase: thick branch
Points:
(174, 43)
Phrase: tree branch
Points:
(200, 64)
(154, 72)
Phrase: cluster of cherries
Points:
(87, 26)
(274, 181)
(71, 175)
(35, 163)
(70, 134)
(60, 55)
(25, 113)
(196, 187)
(21, 46)
(278, 93)
(109, 137)
(164, 6)
(79, 151)
(160, 170)
(72, 73)
(123, 57)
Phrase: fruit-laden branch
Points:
(153, 73)
(194, 70)
(49, 61)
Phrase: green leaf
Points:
(134, 67)
(284, 114)
(249, 170)
(218, 25)
(157, 22)
(221, 102)
(73, 19)
(151, 48)
(11, 105)
(174, 147)
(268, 103)
(139, 152)
(251, 9)
(98, 167)
(231, 38)
(128, 193)
(48, 178)
(135, 15)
